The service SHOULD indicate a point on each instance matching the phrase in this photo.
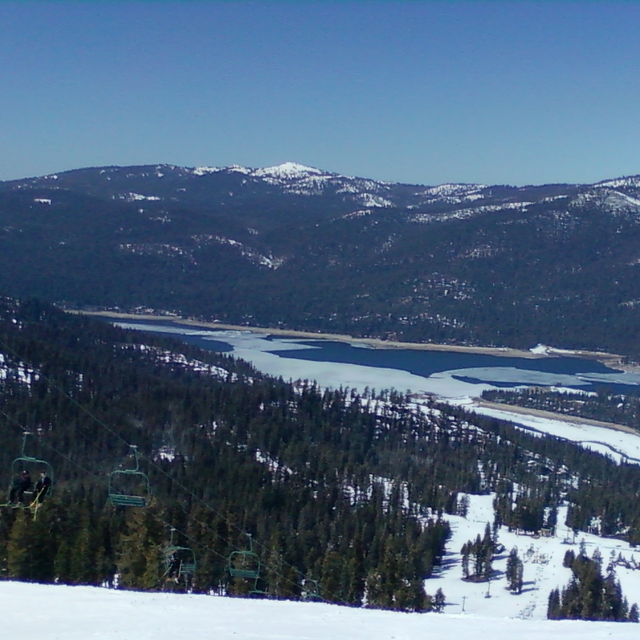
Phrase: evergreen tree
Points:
(463, 505)
(589, 596)
(140, 558)
(439, 601)
(514, 572)
(569, 558)
(553, 606)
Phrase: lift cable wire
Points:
(185, 535)
(152, 463)
(91, 474)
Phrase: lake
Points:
(445, 373)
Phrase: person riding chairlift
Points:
(21, 483)
(42, 487)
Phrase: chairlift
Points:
(25, 492)
(180, 562)
(311, 590)
(129, 487)
(247, 565)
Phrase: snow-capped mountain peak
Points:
(287, 170)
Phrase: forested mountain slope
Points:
(345, 490)
(296, 247)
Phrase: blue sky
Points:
(422, 92)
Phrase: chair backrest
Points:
(120, 483)
(244, 564)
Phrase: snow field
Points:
(56, 612)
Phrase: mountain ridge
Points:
(296, 247)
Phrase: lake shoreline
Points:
(612, 360)
(550, 415)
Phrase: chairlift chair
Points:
(247, 565)
(30, 464)
(179, 561)
(129, 487)
(311, 590)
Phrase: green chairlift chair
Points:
(246, 565)
(129, 487)
(180, 562)
(311, 590)
(31, 466)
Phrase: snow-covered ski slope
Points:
(543, 571)
(57, 612)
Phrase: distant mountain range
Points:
(296, 247)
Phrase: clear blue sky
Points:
(423, 92)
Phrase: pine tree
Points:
(374, 592)
(465, 551)
(19, 556)
(514, 573)
(463, 505)
(487, 549)
(31, 548)
(553, 606)
(569, 558)
(84, 559)
(519, 580)
(140, 559)
(596, 556)
(278, 574)
(439, 601)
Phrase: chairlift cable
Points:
(185, 535)
(149, 461)
(230, 544)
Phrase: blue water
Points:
(425, 363)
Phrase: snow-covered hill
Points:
(289, 178)
(472, 610)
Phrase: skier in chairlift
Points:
(21, 483)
